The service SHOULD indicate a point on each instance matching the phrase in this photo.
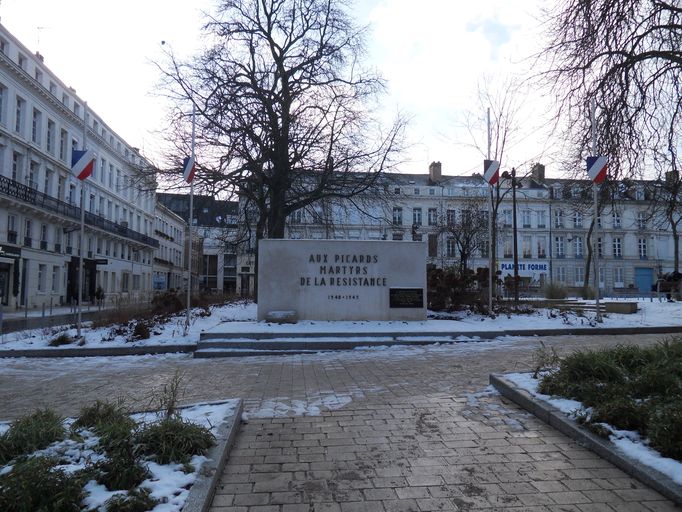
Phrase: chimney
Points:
(435, 172)
(40, 57)
(538, 172)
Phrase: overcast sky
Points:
(435, 54)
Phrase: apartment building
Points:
(170, 270)
(215, 224)
(553, 216)
(42, 120)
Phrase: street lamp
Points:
(514, 185)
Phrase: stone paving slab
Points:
(412, 428)
(602, 447)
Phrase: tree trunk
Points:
(588, 262)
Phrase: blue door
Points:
(644, 278)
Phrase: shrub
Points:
(665, 429)
(101, 414)
(174, 440)
(30, 433)
(34, 484)
(623, 413)
(554, 291)
(62, 339)
(141, 331)
(137, 500)
(166, 303)
(122, 469)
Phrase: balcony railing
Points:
(31, 196)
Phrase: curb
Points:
(99, 351)
(201, 493)
(558, 420)
(263, 344)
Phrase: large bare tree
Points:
(285, 109)
(626, 57)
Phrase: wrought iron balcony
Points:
(16, 190)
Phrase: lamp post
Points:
(514, 185)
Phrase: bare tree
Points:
(666, 208)
(284, 108)
(468, 229)
(626, 56)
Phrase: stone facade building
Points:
(42, 121)
(553, 218)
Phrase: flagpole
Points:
(491, 278)
(82, 235)
(595, 241)
(191, 222)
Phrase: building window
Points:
(526, 247)
(619, 277)
(397, 216)
(617, 248)
(433, 216)
(578, 220)
(21, 60)
(451, 217)
(125, 277)
(17, 166)
(3, 104)
(541, 219)
(36, 126)
(19, 115)
(55, 278)
(451, 248)
(397, 236)
(642, 248)
(51, 131)
(42, 277)
(600, 252)
(617, 223)
(416, 191)
(579, 276)
(433, 245)
(416, 216)
(63, 138)
(558, 219)
(559, 247)
(561, 274)
(641, 220)
(396, 190)
(579, 247)
(525, 218)
(11, 229)
(542, 247)
(507, 218)
(508, 247)
(28, 233)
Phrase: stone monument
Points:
(342, 279)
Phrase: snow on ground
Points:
(241, 318)
(628, 442)
(167, 483)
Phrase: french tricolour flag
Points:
(82, 163)
(188, 169)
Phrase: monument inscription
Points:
(341, 279)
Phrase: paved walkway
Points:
(398, 429)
